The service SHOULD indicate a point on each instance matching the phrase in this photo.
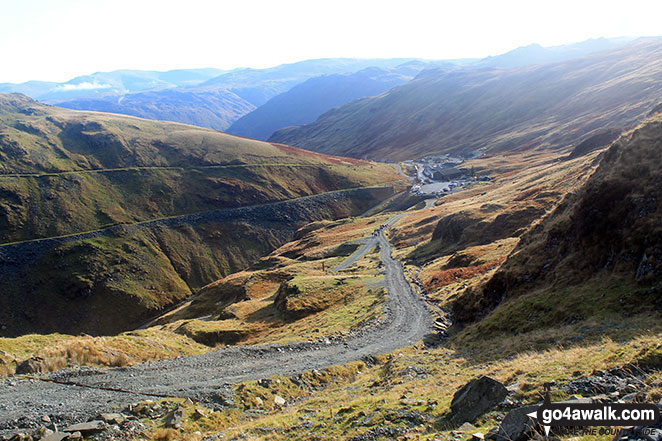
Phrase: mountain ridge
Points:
(489, 110)
(306, 101)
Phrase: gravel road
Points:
(368, 244)
(24, 401)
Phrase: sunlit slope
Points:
(134, 215)
(64, 171)
(595, 257)
(551, 105)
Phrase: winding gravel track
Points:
(24, 401)
(368, 244)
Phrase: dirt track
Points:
(23, 401)
(368, 244)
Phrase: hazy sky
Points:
(59, 39)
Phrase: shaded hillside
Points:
(116, 279)
(63, 172)
(600, 139)
(493, 110)
(305, 102)
(136, 214)
(598, 253)
(213, 109)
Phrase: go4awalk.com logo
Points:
(569, 414)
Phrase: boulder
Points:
(517, 425)
(112, 418)
(175, 419)
(466, 427)
(32, 365)
(280, 401)
(87, 428)
(476, 397)
(56, 436)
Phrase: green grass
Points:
(77, 171)
(600, 299)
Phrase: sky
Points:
(56, 40)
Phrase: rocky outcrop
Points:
(601, 139)
(611, 227)
(477, 397)
(517, 425)
(32, 365)
(465, 228)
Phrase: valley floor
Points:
(317, 375)
(199, 377)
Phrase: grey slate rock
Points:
(86, 428)
(477, 397)
(175, 419)
(32, 365)
(517, 425)
(57, 436)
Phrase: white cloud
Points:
(85, 85)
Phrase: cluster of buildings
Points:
(439, 175)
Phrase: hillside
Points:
(305, 102)
(142, 212)
(493, 110)
(213, 109)
(257, 86)
(294, 316)
(595, 257)
(319, 300)
(536, 54)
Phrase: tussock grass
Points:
(345, 401)
(61, 351)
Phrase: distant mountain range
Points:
(216, 99)
(306, 101)
(205, 97)
(257, 86)
(115, 83)
(493, 109)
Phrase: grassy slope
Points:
(152, 170)
(293, 298)
(214, 109)
(240, 308)
(118, 282)
(596, 257)
(66, 172)
(549, 105)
